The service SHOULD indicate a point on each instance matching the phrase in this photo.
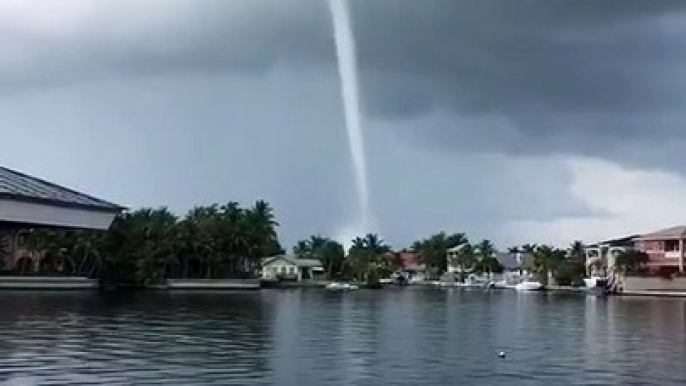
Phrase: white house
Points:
(452, 257)
(606, 252)
(291, 268)
(512, 263)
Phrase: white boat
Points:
(592, 282)
(341, 286)
(527, 285)
(503, 284)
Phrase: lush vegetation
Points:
(367, 260)
(631, 262)
(566, 267)
(146, 246)
(329, 252)
(434, 249)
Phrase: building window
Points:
(291, 270)
(671, 246)
(283, 269)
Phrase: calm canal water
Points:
(312, 338)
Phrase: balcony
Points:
(672, 254)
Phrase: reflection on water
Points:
(399, 337)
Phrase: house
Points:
(516, 262)
(453, 255)
(27, 202)
(602, 255)
(510, 261)
(665, 249)
(411, 262)
(284, 267)
(409, 266)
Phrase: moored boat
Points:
(528, 285)
(592, 282)
(341, 286)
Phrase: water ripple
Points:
(312, 338)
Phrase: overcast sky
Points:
(519, 121)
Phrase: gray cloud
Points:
(554, 71)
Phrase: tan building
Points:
(665, 249)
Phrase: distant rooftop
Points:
(511, 261)
(22, 187)
(677, 232)
(617, 242)
(307, 263)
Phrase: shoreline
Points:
(74, 283)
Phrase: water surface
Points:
(313, 338)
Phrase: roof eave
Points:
(106, 207)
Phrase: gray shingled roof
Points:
(19, 186)
(508, 260)
(678, 232)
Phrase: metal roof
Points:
(22, 187)
(307, 263)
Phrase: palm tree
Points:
(374, 243)
(329, 252)
(485, 249)
(465, 258)
(631, 261)
(486, 256)
(547, 259)
(577, 250)
(367, 256)
(146, 246)
(433, 250)
(529, 248)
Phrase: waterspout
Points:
(347, 70)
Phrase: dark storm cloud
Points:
(551, 69)
(121, 38)
(558, 76)
(239, 98)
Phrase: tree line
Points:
(369, 257)
(147, 246)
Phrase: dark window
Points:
(671, 246)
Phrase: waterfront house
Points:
(409, 265)
(601, 256)
(515, 262)
(27, 203)
(452, 257)
(665, 250)
(291, 268)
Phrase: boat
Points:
(529, 285)
(474, 281)
(341, 286)
(503, 284)
(592, 282)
